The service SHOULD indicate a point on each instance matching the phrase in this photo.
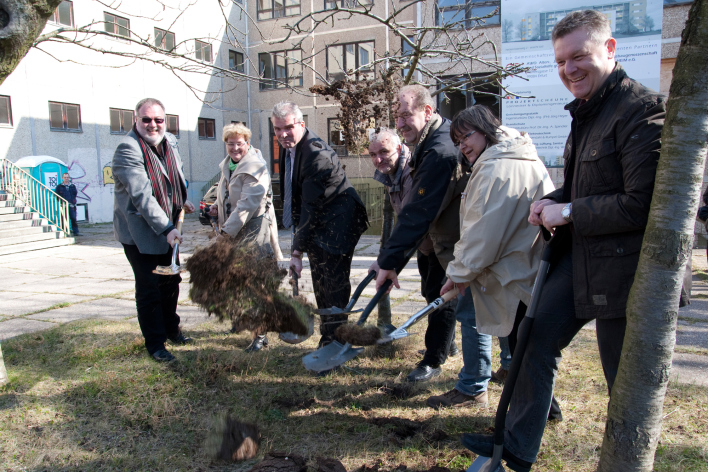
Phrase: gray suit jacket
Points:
(138, 218)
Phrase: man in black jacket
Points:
(68, 192)
(323, 208)
(599, 215)
(435, 172)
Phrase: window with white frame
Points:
(280, 69)
(349, 4)
(269, 9)
(5, 111)
(202, 51)
(64, 117)
(459, 14)
(164, 39)
(64, 14)
(121, 120)
(172, 122)
(342, 59)
(116, 24)
(236, 61)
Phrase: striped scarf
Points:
(157, 178)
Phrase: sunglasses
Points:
(147, 120)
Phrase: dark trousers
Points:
(330, 281)
(554, 327)
(441, 323)
(155, 297)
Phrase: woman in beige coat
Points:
(498, 253)
(244, 198)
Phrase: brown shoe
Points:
(456, 399)
(499, 376)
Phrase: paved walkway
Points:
(93, 279)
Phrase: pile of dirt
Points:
(231, 440)
(378, 467)
(358, 335)
(236, 282)
(283, 462)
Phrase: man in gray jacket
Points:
(150, 191)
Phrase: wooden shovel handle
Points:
(180, 220)
(450, 295)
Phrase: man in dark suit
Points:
(323, 208)
(150, 191)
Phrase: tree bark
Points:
(3, 372)
(21, 21)
(635, 411)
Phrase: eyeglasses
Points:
(457, 143)
(147, 120)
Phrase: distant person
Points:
(599, 216)
(150, 192)
(322, 207)
(244, 199)
(67, 191)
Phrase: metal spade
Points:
(173, 269)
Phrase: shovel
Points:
(402, 332)
(335, 353)
(347, 310)
(173, 269)
(292, 338)
(493, 464)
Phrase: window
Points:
(121, 120)
(236, 61)
(64, 117)
(117, 25)
(173, 124)
(343, 58)
(332, 4)
(336, 136)
(64, 14)
(164, 39)
(202, 50)
(206, 128)
(280, 69)
(5, 111)
(269, 9)
(458, 13)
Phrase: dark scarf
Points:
(157, 178)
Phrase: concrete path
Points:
(92, 279)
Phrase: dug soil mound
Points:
(236, 282)
(282, 462)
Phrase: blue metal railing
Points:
(40, 198)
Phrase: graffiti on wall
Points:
(108, 175)
(76, 172)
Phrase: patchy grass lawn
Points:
(85, 396)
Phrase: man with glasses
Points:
(433, 208)
(326, 214)
(150, 192)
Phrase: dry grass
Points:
(85, 396)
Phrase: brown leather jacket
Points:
(615, 140)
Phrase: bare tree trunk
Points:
(21, 21)
(635, 411)
(3, 372)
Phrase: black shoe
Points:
(483, 445)
(179, 338)
(453, 350)
(423, 373)
(163, 355)
(258, 343)
(324, 341)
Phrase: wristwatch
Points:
(565, 213)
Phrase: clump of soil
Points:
(358, 335)
(378, 467)
(293, 403)
(283, 462)
(231, 440)
(236, 282)
(399, 391)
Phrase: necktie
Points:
(288, 193)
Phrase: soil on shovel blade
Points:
(236, 282)
(357, 335)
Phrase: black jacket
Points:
(615, 142)
(434, 167)
(326, 209)
(67, 192)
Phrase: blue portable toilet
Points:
(46, 169)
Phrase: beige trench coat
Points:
(499, 251)
(248, 188)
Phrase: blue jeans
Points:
(505, 354)
(476, 350)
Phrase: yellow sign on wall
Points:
(108, 175)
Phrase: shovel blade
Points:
(484, 464)
(330, 356)
(168, 270)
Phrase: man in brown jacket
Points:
(599, 214)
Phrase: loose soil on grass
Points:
(86, 397)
